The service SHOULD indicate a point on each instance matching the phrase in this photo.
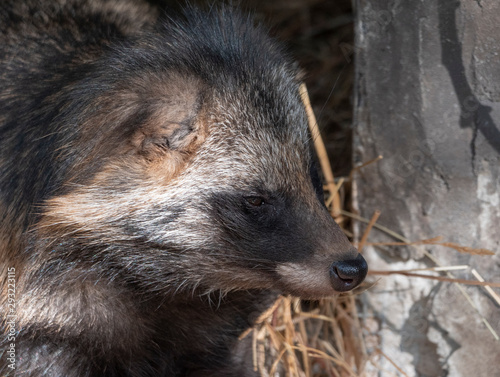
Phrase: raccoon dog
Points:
(157, 190)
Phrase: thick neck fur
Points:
(107, 319)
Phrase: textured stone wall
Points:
(427, 98)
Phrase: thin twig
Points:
(487, 287)
(379, 351)
(372, 222)
(319, 145)
(378, 158)
(432, 277)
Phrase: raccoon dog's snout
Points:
(348, 274)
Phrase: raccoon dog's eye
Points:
(256, 201)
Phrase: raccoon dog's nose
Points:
(347, 274)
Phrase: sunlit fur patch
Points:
(303, 280)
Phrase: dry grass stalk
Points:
(368, 229)
(319, 145)
(326, 341)
(359, 167)
(443, 268)
(330, 199)
(380, 352)
(487, 287)
(432, 277)
(437, 241)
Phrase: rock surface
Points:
(427, 98)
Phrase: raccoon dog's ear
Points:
(171, 126)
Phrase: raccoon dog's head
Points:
(197, 145)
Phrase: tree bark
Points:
(427, 98)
